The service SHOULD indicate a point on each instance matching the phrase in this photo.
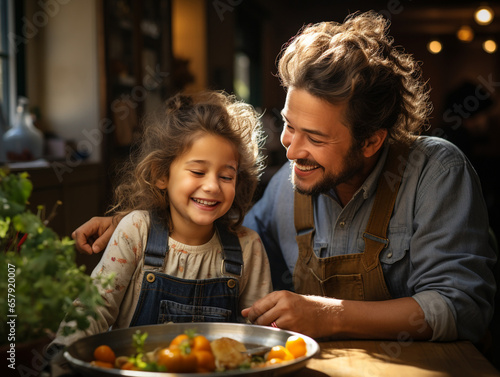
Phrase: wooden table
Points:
(363, 358)
(391, 358)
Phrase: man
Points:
(381, 234)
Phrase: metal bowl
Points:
(80, 353)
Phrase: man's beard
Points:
(352, 165)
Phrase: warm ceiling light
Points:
(434, 47)
(490, 46)
(465, 34)
(484, 15)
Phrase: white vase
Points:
(22, 142)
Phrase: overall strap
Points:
(303, 213)
(389, 181)
(232, 256)
(157, 245)
(303, 217)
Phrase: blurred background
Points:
(91, 69)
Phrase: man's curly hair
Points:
(356, 63)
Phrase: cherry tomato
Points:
(178, 340)
(175, 361)
(274, 361)
(129, 366)
(205, 360)
(171, 359)
(102, 364)
(279, 352)
(200, 342)
(104, 353)
(296, 345)
(190, 363)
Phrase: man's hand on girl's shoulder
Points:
(93, 236)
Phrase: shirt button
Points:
(389, 254)
(342, 224)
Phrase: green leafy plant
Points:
(40, 277)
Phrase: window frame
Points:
(8, 57)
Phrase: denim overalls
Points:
(166, 298)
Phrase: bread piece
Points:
(228, 353)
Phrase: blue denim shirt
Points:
(438, 251)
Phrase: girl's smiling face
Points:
(201, 187)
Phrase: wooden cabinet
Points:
(136, 48)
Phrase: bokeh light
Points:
(484, 15)
(434, 47)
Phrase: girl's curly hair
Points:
(168, 134)
(356, 63)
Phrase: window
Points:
(7, 87)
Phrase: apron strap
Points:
(389, 181)
(303, 217)
(303, 213)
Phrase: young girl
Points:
(180, 253)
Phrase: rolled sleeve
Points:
(438, 314)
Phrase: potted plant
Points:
(40, 277)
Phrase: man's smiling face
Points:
(318, 143)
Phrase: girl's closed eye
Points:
(229, 173)
(224, 177)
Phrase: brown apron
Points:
(352, 276)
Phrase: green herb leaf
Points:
(138, 340)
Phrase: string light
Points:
(484, 15)
(465, 34)
(434, 47)
(490, 46)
